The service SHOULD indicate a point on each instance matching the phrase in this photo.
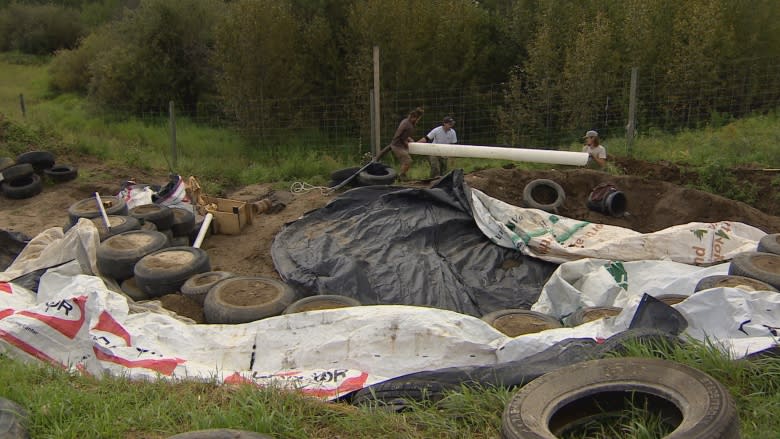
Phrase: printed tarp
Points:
(77, 322)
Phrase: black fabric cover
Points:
(395, 245)
(11, 244)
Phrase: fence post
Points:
(631, 126)
(377, 92)
(172, 127)
(21, 104)
(374, 147)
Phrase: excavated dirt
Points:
(656, 194)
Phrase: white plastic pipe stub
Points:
(494, 152)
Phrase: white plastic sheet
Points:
(559, 239)
(76, 322)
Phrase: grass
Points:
(70, 405)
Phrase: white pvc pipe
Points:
(102, 211)
(493, 152)
(202, 232)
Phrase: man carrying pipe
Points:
(442, 134)
(400, 143)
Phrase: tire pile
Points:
(374, 175)
(23, 178)
(147, 251)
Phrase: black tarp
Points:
(395, 245)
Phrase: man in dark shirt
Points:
(400, 143)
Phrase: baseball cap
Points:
(448, 119)
(591, 133)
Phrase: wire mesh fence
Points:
(517, 113)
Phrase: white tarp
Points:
(77, 322)
(559, 239)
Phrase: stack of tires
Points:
(374, 175)
(177, 224)
(23, 177)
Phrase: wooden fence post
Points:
(172, 127)
(631, 126)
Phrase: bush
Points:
(159, 52)
(39, 29)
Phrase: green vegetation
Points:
(69, 405)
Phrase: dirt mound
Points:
(652, 204)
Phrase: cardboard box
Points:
(231, 215)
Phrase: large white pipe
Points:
(493, 152)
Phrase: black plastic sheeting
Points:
(395, 245)
(11, 244)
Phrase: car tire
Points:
(671, 299)
(338, 177)
(61, 173)
(13, 418)
(733, 281)
(377, 174)
(22, 188)
(544, 407)
(321, 301)
(118, 223)
(183, 222)
(515, 322)
(591, 313)
(245, 299)
(40, 160)
(757, 265)
(130, 288)
(117, 255)
(197, 286)
(16, 172)
(543, 194)
(165, 271)
(161, 216)
(770, 244)
(87, 208)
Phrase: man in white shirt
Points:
(445, 134)
(597, 154)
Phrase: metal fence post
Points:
(21, 104)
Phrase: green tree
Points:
(161, 54)
(257, 53)
(39, 29)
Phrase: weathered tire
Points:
(671, 299)
(183, 222)
(118, 223)
(547, 405)
(87, 208)
(220, 433)
(543, 194)
(245, 299)
(161, 216)
(197, 286)
(619, 343)
(6, 162)
(337, 177)
(397, 395)
(321, 301)
(591, 313)
(61, 173)
(13, 418)
(165, 271)
(733, 281)
(770, 244)
(758, 265)
(40, 160)
(117, 255)
(22, 188)
(377, 174)
(16, 172)
(130, 288)
(514, 322)
(148, 226)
